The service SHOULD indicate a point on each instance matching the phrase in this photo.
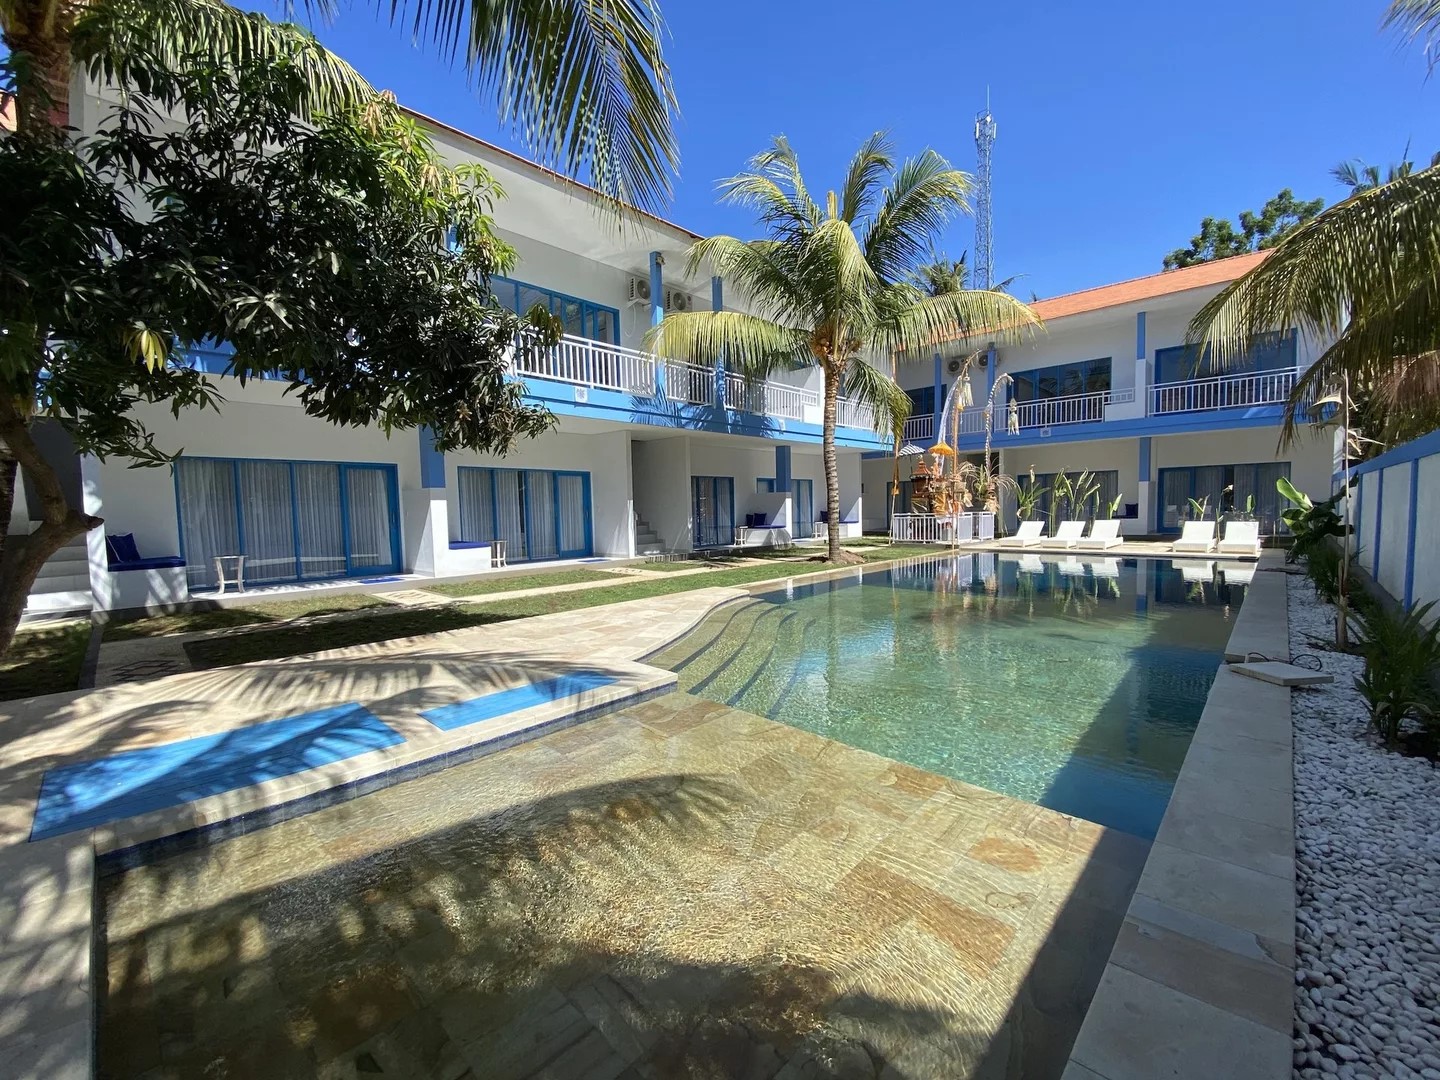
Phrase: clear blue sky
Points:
(1121, 124)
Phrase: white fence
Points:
(941, 528)
(1070, 409)
(593, 363)
(1396, 515)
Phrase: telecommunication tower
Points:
(984, 273)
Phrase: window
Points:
(1097, 506)
(539, 513)
(1266, 352)
(1223, 489)
(580, 317)
(1061, 380)
(922, 400)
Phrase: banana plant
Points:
(1310, 523)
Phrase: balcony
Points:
(1268, 388)
(1222, 392)
(582, 362)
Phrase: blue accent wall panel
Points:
(432, 461)
(782, 469)
(504, 702)
(1140, 352)
(90, 793)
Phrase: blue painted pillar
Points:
(1410, 535)
(937, 424)
(1142, 366)
(1143, 474)
(1379, 521)
(717, 303)
(783, 485)
(990, 373)
(432, 461)
(657, 312)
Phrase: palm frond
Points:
(1417, 20)
(1369, 253)
(833, 256)
(871, 165)
(925, 193)
(918, 325)
(773, 186)
(126, 39)
(751, 345)
(889, 403)
(764, 271)
(583, 82)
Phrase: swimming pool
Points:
(1074, 684)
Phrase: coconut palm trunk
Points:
(832, 468)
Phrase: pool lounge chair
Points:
(1241, 538)
(1068, 534)
(1105, 568)
(1071, 567)
(1200, 571)
(1031, 564)
(1238, 573)
(1029, 533)
(1103, 534)
(1198, 536)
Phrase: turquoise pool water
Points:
(1073, 684)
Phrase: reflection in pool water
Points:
(1073, 683)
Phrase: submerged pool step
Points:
(744, 651)
(714, 643)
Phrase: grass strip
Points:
(44, 661)
(295, 640)
(495, 583)
(186, 622)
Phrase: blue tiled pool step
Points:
(90, 793)
(503, 702)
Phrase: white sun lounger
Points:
(1029, 533)
(1196, 570)
(1241, 538)
(1031, 564)
(1103, 534)
(1068, 534)
(1105, 568)
(1071, 567)
(1197, 536)
(1238, 573)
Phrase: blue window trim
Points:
(588, 308)
(560, 551)
(714, 481)
(392, 499)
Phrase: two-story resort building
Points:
(1110, 386)
(650, 454)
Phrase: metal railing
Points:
(1053, 412)
(766, 398)
(854, 414)
(919, 427)
(1222, 392)
(689, 384)
(959, 528)
(584, 362)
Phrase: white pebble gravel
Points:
(1367, 838)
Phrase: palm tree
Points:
(1365, 275)
(585, 81)
(1359, 176)
(831, 285)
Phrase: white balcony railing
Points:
(1222, 392)
(689, 384)
(766, 398)
(593, 363)
(854, 414)
(919, 428)
(1053, 412)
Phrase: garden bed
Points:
(1367, 836)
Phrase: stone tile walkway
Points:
(676, 890)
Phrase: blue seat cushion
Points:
(461, 545)
(157, 562)
(121, 548)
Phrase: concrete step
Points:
(51, 581)
(58, 603)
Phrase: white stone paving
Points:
(1367, 833)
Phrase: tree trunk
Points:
(42, 101)
(832, 472)
(21, 559)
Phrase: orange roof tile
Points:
(1165, 283)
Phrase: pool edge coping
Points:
(1200, 981)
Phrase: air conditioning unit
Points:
(675, 300)
(954, 366)
(639, 290)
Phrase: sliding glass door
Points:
(712, 504)
(803, 508)
(539, 513)
(292, 520)
(1221, 490)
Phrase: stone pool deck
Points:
(1193, 966)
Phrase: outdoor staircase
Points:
(647, 540)
(63, 587)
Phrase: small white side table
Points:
(238, 580)
(497, 554)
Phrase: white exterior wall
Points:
(1394, 531)
(1427, 536)
(662, 488)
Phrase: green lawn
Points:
(671, 566)
(514, 582)
(185, 622)
(44, 661)
(293, 640)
